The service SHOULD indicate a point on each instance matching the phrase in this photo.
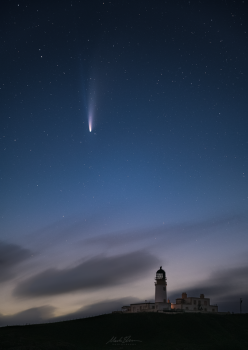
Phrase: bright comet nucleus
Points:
(90, 122)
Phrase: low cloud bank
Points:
(33, 315)
(46, 313)
(11, 255)
(100, 271)
(102, 307)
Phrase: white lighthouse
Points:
(184, 304)
(160, 287)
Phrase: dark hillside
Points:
(155, 331)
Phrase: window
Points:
(205, 309)
(187, 308)
(205, 302)
(194, 302)
(213, 310)
(163, 288)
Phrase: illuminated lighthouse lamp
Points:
(160, 274)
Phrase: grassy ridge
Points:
(155, 331)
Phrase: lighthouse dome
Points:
(160, 274)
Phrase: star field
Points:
(124, 147)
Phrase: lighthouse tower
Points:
(160, 287)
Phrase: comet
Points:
(91, 112)
(91, 105)
(90, 119)
(90, 123)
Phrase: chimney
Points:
(184, 295)
(202, 296)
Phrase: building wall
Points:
(193, 304)
(160, 292)
(142, 307)
(162, 306)
(149, 307)
(187, 306)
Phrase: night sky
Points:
(124, 147)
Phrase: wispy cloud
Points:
(170, 233)
(89, 231)
(11, 255)
(99, 271)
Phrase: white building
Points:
(193, 304)
(184, 304)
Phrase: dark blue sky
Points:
(163, 173)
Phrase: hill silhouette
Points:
(132, 331)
